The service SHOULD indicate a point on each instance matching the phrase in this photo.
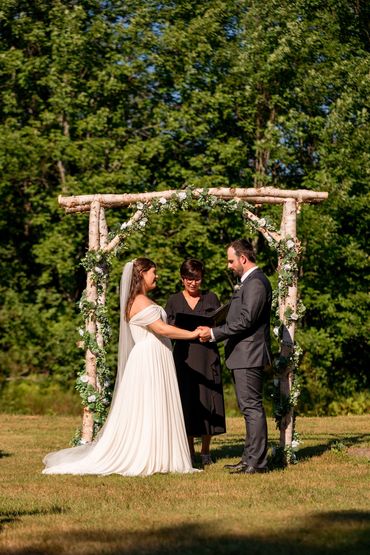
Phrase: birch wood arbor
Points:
(290, 200)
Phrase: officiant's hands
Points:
(204, 334)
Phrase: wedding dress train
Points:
(145, 431)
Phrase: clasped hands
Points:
(204, 333)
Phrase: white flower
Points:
(105, 401)
(276, 331)
(98, 270)
(262, 222)
(143, 222)
(91, 399)
(81, 332)
(269, 238)
(84, 378)
(182, 196)
(276, 382)
(295, 396)
(124, 225)
(83, 442)
(295, 445)
(162, 200)
(237, 286)
(140, 205)
(290, 244)
(287, 267)
(294, 316)
(106, 383)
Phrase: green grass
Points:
(319, 506)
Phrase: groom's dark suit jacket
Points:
(247, 327)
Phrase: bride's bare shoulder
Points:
(140, 302)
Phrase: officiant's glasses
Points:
(195, 280)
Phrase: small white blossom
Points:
(262, 222)
(182, 196)
(276, 331)
(91, 399)
(143, 222)
(162, 200)
(83, 441)
(287, 267)
(84, 378)
(140, 205)
(106, 383)
(105, 401)
(295, 396)
(124, 225)
(98, 270)
(81, 332)
(290, 244)
(295, 445)
(294, 316)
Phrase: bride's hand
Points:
(196, 333)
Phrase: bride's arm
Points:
(160, 328)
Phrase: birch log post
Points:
(288, 229)
(102, 293)
(91, 297)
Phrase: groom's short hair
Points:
(243, 246)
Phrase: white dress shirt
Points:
(244, 276)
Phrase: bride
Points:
(144, 432)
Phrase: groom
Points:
(247, 350)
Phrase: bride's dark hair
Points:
(140, 265)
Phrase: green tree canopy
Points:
(144, 95)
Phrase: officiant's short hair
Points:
(243, 246)
(191, 267)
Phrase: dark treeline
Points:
(140, 95)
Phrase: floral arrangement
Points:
(98, 264)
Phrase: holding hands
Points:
(204, 334)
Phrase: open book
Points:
(190, 322)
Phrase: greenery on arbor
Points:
(143, 95)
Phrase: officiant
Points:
(197, 364)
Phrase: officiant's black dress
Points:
(198, 371)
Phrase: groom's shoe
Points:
(236, 467)
(247, 469)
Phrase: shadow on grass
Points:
(4, 454)
(232, 449)
(336, 443)
(10, 517)
(331, 533)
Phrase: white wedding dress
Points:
(145, 431)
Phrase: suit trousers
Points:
(249, 388)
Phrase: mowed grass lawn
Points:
(319, 506)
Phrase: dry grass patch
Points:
(320, 506)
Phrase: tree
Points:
(145, 95)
